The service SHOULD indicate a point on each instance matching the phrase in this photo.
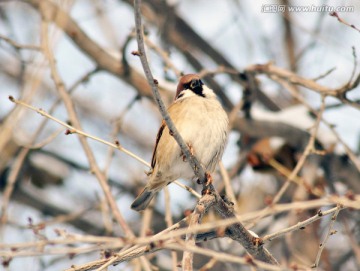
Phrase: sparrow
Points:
(202, 123)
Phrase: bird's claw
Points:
(209, 179)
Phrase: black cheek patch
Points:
(181, 94)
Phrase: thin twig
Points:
(300, 225)
(42, 143)
(20, 46)
(195, 219)
(335, 14)
(209, 265)
(328, 234)
(164, 56)
(73, 130)
(115, 131)
(169, 223)
(224, 257)
(297, 179)
(340, 93)
(228, 187)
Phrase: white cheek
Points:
(187, 93)
(208, 92)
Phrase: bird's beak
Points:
(195, 83)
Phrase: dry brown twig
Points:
(300, 225)
(224, 257)
(20, 46)
(281, 74)
(169, 223)
(72, 130)
(327, 236)
(195, 219)
(164, 56)
(158, 241)
(336, 15)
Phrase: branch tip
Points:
(320, 213)
(136, 53)
(334, 14)
(69, 132)
(11, 98)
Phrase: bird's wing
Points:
(159, 134)
(173, 110)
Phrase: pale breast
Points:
(203, 124)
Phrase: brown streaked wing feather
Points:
(159, 134)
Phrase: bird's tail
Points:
(143, 200)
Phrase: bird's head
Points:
(190, 82)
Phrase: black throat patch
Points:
(198, 91)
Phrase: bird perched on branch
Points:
(203, 125)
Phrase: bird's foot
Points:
(207, 185)
(209, 179)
